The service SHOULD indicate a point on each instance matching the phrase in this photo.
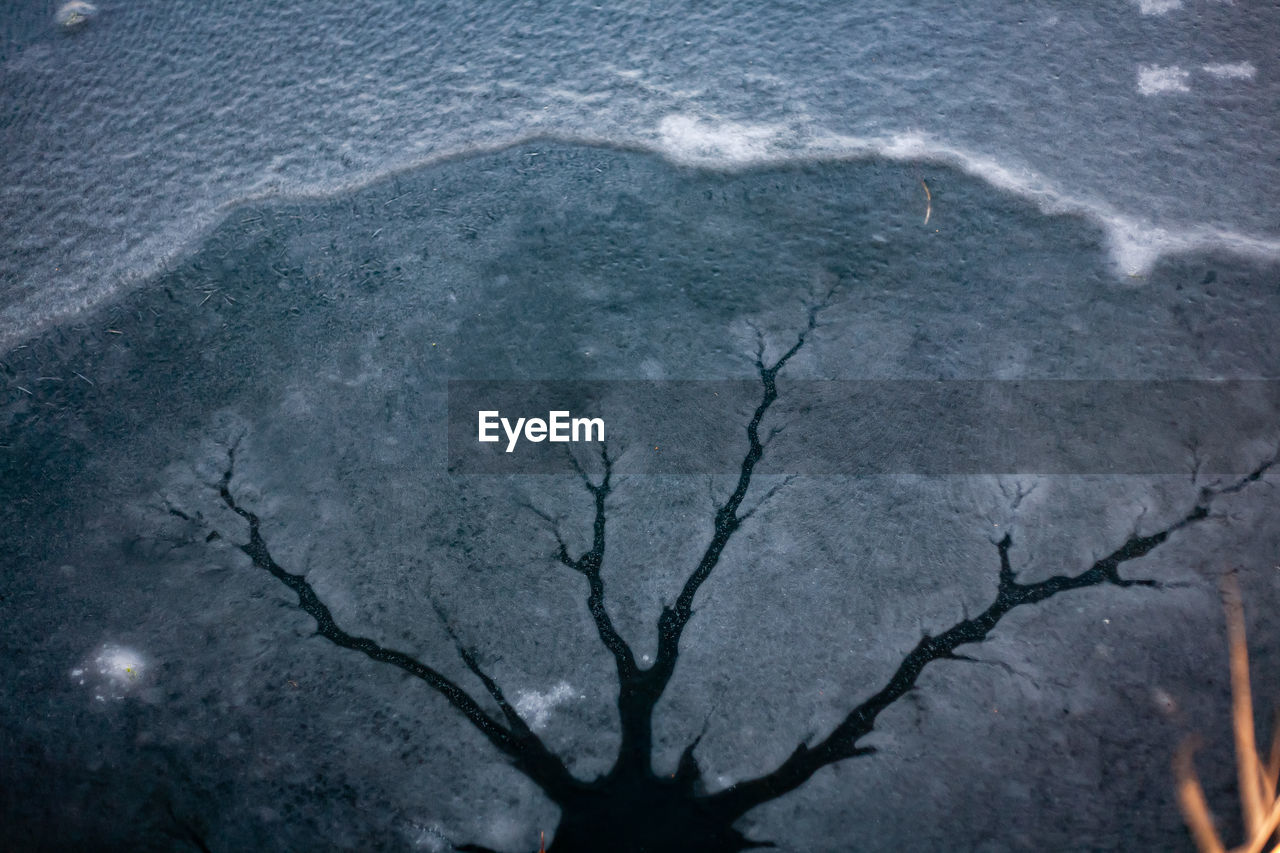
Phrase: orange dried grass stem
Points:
(1257, 779)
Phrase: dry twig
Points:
(1257, 779)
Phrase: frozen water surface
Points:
(248, 246)
(129, 138)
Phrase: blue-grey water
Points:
(127, 139)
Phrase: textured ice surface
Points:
(126, 140)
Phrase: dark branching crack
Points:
(843, 741)
(630, 808)
(514, 739)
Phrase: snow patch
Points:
(536, 707)
(690, 139)
(74, 14)
(1231, 70)
(1158, 7)
(1160, 79)
(112, 672)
